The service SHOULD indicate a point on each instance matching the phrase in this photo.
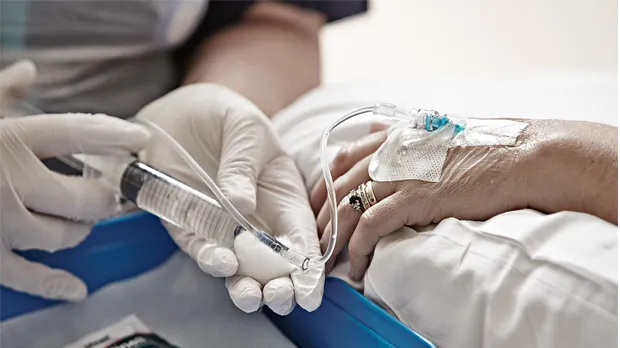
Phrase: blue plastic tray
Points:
(125, 247)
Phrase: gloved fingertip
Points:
(65, 286)
(311, 303)
(247, 299)
(218, 262)
(280, 298)
(309, 297)
(282, 309)
(78, 293)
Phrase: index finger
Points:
(63, 134)
(346, 158)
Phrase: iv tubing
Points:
(329, 184)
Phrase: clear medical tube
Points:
(418, 118)
(329, 184)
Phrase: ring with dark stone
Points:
(355, 200)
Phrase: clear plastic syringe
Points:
(179, 204)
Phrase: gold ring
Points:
(370, 193)
(364, 197)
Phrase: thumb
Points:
(37, 279)
(248, 143)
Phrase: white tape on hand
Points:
(411, 153)
(480, 132)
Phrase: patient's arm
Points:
(555, 166)
(575, 167)
(271, 56)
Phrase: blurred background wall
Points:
(408, 39)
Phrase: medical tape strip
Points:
(415, 154)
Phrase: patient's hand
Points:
(555, 166)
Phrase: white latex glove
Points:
(237, 146)
(40, 209)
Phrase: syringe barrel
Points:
(176, 202)
(179, 204)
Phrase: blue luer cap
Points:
(432, 122)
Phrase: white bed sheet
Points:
(549, 281)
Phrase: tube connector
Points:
(419, 118)
(296, 259)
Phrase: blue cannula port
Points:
(433, 122)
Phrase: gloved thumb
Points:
(14, 83)
(40, 280)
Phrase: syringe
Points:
(179, 204)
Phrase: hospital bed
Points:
(127, 247)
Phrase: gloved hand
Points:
(236, 145)
(40, 209)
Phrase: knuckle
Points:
(425, 202)
(343, 157)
